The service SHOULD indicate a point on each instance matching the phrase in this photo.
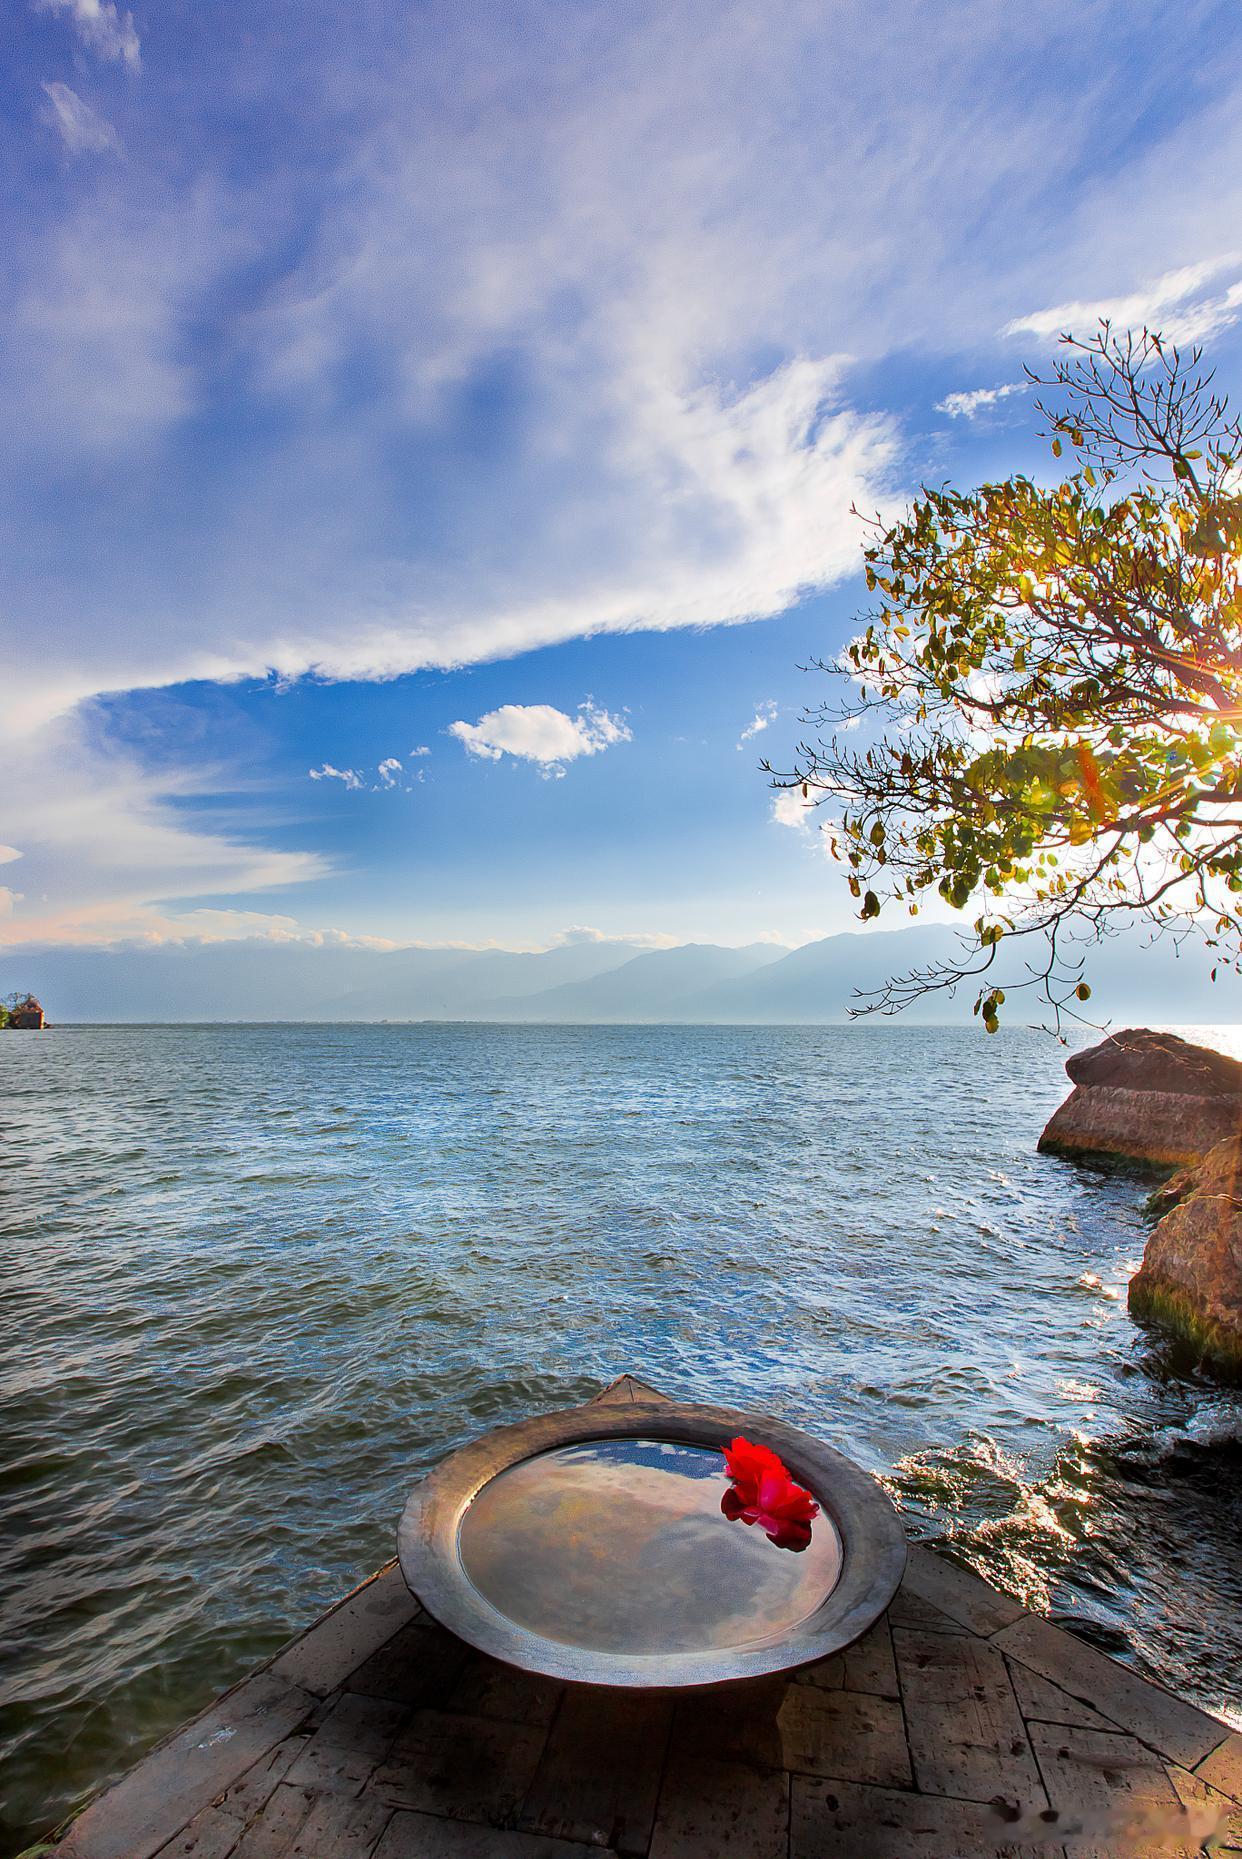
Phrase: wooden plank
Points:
(868, 1666)
(418, 1666)
(1222, 1768)
(735, 1723)
(272, 1834)
(966, 1732)
(352, 1741)
(721, 1810)
(340, 1826)
(599, 1777)
(422, 1836)
(469, 1768)
(485, 1688)
(213, 1833)
(142, 1812)
(845, 1734)
(1114, 1799)
(967, 1599)
(841, 1820)
(1213, 1815)
(1040, 1700)
(326, 1655)
(910, 1610)
(1177, 1729)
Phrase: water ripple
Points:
(256, 1280)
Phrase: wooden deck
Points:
(961, 1725)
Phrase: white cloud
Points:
(102, 28)
(80, 128)
(790, 808)
(9, 900)
(539, 733)
(764, 714)
(389, 770)
(350, 776)
(637, 939)
(8, 854)
(421, 750)
(1177, 305)
(970, 403)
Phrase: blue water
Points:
(257, 1279)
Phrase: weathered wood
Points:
(721, 1810)
(1114, 1797)
(421, 1836)
(467, 1768)
(349, 1745)
(1040, 1701)
(966, 1732)
(142, 1812)
(1167, 1723)
(841, 1820)
(868, 1666)
(363, 1622)
(271, 1835)
(967, 1599)
(340, 1823)
(213, 1833)
(485, 1688)
(600, 1774)
(1222, 1767)
(845, 1734)
(418, 1665)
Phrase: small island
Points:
(23, 1012)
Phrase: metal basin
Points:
(590, 1545)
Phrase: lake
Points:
(258, 1278)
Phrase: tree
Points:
(1045, 715)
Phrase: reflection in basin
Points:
(620, 1546)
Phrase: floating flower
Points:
(763, 1492)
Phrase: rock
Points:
(1149, 1098)
(1140, 1060)
(1191, 1275)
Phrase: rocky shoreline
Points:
(1155, 1101)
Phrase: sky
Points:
(432, 432)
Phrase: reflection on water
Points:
(621, 1546)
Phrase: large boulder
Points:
(1191, 1275)
(1149, 1098)
(1140, 1060)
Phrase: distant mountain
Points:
(460, 990)
(659, 985)
(584, 982)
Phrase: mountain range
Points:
(580, 982)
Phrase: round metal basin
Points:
(590, 1546)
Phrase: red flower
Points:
(762, 1492)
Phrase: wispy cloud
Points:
(976, 400)
(102, 28)
(349, 777)
(637, 939)
(391, 776)
(109, 845)
(1178, 305)
(764, 714)
(542, 734)
(82, 129)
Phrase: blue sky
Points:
(495, 381)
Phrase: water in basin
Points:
(620, 1545)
